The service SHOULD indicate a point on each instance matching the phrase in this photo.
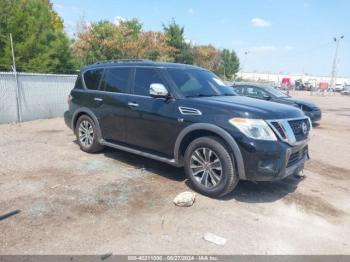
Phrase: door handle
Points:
(98, 99)
(132, 104)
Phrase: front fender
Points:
(218, 131)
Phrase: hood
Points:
(251, 108)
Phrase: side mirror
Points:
(158, 90)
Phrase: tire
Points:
(90, 144)
(212, 181)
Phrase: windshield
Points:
(196, 83)
(275, 92)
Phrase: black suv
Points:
(187, 117)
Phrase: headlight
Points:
(254, 128)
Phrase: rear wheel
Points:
(210, 167)
(86, 133)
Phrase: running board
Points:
(138, 152)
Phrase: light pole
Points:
(19, 117)
(244, 61)
(334, 67)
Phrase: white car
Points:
(346, 90)
(337, 88)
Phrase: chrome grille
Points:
(279, 129)
(291, 130)
(297, 127)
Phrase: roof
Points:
(139, 62)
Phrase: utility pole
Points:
(334, 67)
(244, 62)
(19, 118)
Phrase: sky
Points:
(279, 36)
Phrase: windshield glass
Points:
(275, 92)
(196, 83)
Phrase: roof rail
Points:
(123, 61)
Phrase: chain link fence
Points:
(25, 97)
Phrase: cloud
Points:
(262, 48)
(267, 48)
(190, 11)
(259, 22)
(288, 47)
(119, 19)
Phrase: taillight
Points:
(69, 99)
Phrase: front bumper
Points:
(273, 160)
(315, 116)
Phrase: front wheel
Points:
(210, 167)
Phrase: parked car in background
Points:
(187, 117)
(337, 88)
(270, 93)
(346, 90)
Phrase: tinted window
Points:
(92, 78)
(116, 80)
(239, 90)
(144, 78)
(78, 83)
(256, 92)
(196, 82)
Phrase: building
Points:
(277, 78)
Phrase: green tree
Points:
(39, 41)
(174, 34)
(228, 64)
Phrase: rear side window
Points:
(79, 83)
(116, 80)
(144, 78)
(92, 78)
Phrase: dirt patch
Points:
(313, 204)
(51, 131)
(331, 171)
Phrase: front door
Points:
(150, 122)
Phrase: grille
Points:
(297, 156)
(279, 129)
(296, 126)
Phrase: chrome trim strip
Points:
(141, 153)
(284, 124)
(189, 111)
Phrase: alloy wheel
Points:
(86, 133)
(206, 167)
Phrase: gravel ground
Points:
(114, 202)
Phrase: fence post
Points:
(19, 117)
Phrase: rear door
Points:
(85, 97)
(150, 121)
(115, 88)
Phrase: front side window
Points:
(144, 78)
(197, 82)
(92, 78)
(116, 80)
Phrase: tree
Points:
(229, 64)
(206, 56)
(106, 41)
(174, 34)
(39, 41)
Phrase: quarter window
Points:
(144, 78)
(92, 78)
(116, 80)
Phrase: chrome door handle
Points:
(98, 99)
(133, 104)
